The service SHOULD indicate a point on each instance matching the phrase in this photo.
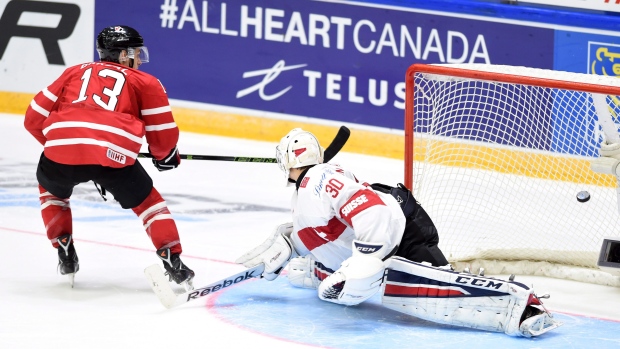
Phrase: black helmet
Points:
(112, 40)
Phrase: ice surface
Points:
(222, 209)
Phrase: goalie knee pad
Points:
(305, 272)
(463, 299)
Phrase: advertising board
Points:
(40, 39)
(326, 60)
(305, 60)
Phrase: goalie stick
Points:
(334, 147)
(161, 285)
(337, 143)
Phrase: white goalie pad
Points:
(300, 273)
(305, 272)
(464, 299)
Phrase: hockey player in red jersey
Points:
(91, 122)
(351, 239)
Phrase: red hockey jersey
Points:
(98, 113)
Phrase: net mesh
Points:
(498, 166)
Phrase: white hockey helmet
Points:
(297, 149)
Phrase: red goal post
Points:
(497, 154)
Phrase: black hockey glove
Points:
(171, 161)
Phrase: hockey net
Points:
(497, 155)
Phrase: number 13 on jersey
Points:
(112, 94)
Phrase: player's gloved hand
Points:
(171, 161)
(275, 252)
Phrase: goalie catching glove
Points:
(275, 252)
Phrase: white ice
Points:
(222, 209)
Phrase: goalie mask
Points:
(298, 149)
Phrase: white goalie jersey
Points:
(331, 209)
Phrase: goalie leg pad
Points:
(463, 299)
(358, 279)
(300, 272)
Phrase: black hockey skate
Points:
(68, 262)
(175, 269)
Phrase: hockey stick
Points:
(334, 147)
(161, 285)
(218, 158)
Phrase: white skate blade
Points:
(188, 285)
(71, 277)
(537, 325)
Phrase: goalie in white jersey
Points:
(350, 239)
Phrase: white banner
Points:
(40, 39)
(600, 5)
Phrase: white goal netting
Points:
(499, 154)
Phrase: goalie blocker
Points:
(464, 299)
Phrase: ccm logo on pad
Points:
(479, 282)
(367, 248)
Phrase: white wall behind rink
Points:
(24, 66)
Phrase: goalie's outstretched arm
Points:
(274, 253)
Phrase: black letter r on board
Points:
(9, 27)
